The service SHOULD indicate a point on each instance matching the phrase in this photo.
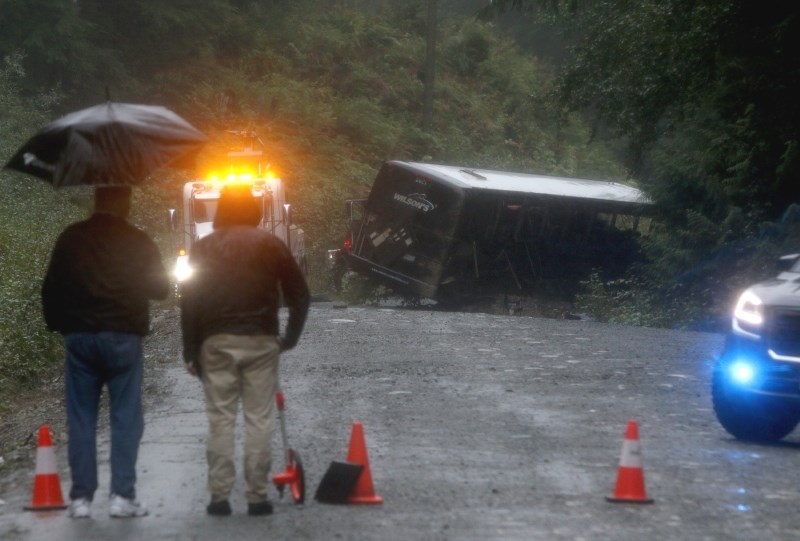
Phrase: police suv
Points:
(756, 382)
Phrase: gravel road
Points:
(477, 426)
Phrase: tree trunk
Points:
(430, 66)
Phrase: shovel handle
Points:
(279, 400)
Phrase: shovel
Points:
(294, 475)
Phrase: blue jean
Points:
(93, 360)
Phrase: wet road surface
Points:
(477, 426)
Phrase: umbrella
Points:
(108, 144)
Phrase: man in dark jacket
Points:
(232, 340)
(102, 274)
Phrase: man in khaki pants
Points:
(231, 339)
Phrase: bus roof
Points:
(484, 179)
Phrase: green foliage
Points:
(703, 93)
(714, 72)
(88, 46)
(342, 92)
(701, 270)
(54, 37)
(32, 216)
(623, 301)
(356, 289)
(20, 115)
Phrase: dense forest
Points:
(692, 100)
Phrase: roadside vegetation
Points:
(693, 101)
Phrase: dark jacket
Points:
(239, 275)
(103, 272)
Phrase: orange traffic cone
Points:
(630, 478)
(47, 485)
(363, 491)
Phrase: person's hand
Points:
(191, 368)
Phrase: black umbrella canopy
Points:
(110, 144)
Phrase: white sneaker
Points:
(80, 508)
(126, 507)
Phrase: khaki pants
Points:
(237, 367)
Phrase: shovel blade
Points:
(338, 482)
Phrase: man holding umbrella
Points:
(102, 274)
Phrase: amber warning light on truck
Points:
(233, 178)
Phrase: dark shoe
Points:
(219, 508)
(259, 508)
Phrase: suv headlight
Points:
(749, 314)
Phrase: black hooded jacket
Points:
(239, 274)
(103, 271)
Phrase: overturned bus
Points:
(446, 232)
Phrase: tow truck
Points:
(200, 199)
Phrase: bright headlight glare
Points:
(183, 271)
(749, 309)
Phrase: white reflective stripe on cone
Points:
(631, 454)
(45, 460)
